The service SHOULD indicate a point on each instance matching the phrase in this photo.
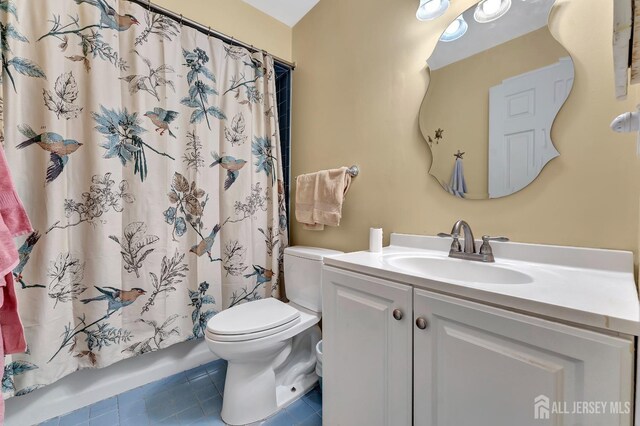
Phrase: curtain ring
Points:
(149, 5)
(181, 19)
(209, 33)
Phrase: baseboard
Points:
(88, 386)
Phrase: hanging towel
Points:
(457, 185)
(12, 340)
(13, 219)
(319, 198)
(1, 369)
(11, 209)
(13, 222)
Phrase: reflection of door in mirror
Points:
(521, 109)
(507, 58)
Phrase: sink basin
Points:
(458, 270)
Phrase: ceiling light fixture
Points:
(455, 30)
(490, 10)
(431, 9)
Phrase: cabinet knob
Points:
(397, 314)
(421, 323)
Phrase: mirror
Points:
(497, 80)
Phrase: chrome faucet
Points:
(485, 254)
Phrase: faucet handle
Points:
(455, 244)
(486, 239)
(485, 248)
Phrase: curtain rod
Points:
(207, 30)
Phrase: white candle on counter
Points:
(375, 240)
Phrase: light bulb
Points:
(455, 30)
(490, 10)
(431, 9)
(452, 28)
(490, 7)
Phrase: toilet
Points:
(269, 344)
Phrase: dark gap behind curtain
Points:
(283, 94)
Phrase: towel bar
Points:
(353, 170)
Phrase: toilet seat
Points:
(250, 336)
(252, 320)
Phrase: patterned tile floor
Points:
(193, 397)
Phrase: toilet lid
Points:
(252, 317)
(250, 336)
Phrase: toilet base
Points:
(255, 390)
(248, 393)
(285, 395)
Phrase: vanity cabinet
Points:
(446, 361)
(479, 365)
(368, 364)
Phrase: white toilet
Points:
(270, 345)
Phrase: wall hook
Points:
(628, 122)
(459, 154)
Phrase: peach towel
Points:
(319, 198)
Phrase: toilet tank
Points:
(303, 275)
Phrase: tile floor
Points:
(193, 397)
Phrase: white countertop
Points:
(589, 287)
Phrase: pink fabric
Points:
(12, 339)
(11, 208)
(13, 222)
(13, 219)
(9, 257)
(1, 371)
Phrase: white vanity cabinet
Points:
(471, 364)
(479, 365)
(367, 358)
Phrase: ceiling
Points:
(288, 12)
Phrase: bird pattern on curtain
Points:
(148, 157)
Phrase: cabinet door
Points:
(367, 352)
(483, 366)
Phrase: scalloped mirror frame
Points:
(426, 132)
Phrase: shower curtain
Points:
(148, 157)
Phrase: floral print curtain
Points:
(148, 157)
